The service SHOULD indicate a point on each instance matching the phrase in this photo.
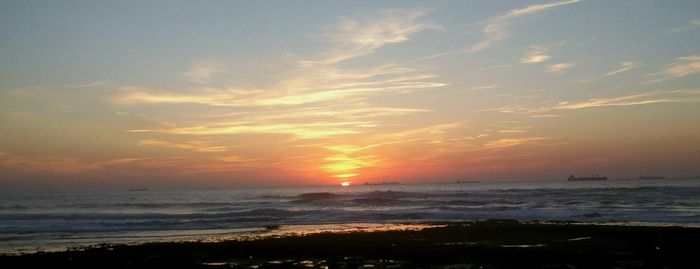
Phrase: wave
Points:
(150, 216)
(588, 215)
(393, 194)
(375, 201)
(70, 215)
(316, 196)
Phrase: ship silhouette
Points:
(652, 177)
(467, 181)
(595, 177)
(137, 189)
(381, 183)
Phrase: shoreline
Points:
(287, 230)
(487, 243)
(222, 235)
(291, 230)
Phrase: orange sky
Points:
(244, 94)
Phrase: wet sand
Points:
(485, 244)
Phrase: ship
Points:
(381, 183)
(654, 177)
(595, 177)
(138, 189)
(467, 181)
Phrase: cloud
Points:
(57, 165)
(310, 85)
(535, 56)
(44, 166)
(683, 66)
(677, 96)
(559, 68)
(349, 149)
(353, 37)
(495, 32)
(318, 78)
(510, 142)
(344, 165)
(302, 123)
(484, 87)
(199, 146)
(299, 130)
(692, 24)
(213, 97)
(237, 159)
(515, 130)
(241, 98)
(548, 110)
(625, 66)
(496, 29)
(340, 113)
(322, 99)
(317, 99)
(86, 85)
(203, 72)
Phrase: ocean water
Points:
(51, 220)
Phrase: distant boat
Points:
(654, 177)
(595, 177)
(382, 183)
(467, 181)
(138, 189)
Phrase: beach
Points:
(481, 244)
(610, 224)
(56, 221)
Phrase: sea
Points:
(54, 221)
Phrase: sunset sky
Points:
(170, 94)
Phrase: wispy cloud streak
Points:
(357, 37)
(692, 24)
(200, 146)
(559, 68)
(678, 96)
(535, 56)
(546, 110)
(683, 66)
(496, 29)
(625, 66)
(204, 71)
(300, 130)
(318, 99)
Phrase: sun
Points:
(345, 184)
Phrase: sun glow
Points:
(343, 165)
(345, 184)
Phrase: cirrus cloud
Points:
(496, 29)
(559, 68)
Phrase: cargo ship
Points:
(138, 189)
(381, 183)
(595, 177)
(653, 177)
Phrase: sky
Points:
(99, 95)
